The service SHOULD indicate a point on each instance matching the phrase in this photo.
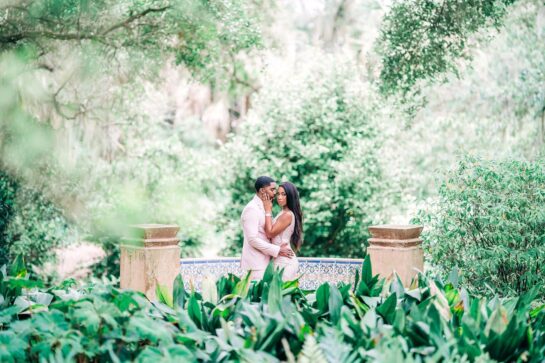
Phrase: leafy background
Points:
(121, 112)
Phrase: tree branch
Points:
(16, 37)
(132, 18)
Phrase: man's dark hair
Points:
(263, 181)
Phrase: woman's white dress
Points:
(290, 265)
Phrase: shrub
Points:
(489, 222)
(313, 129)
(31, 225)
(8, 188)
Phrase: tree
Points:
(313, 128)
(72, 73)
(424, 39)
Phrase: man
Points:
(258, 249)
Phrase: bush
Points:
(30, 225)
(8, 188)
(489, 222)
(313, 129)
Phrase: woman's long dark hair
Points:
(292, 199)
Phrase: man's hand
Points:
(285, 251)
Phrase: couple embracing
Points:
(266, 237)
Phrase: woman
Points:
(286, 227)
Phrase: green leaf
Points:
(363, 289)
(399, 321)
(335, 304)
(269, 272)
(179, 293)
(17, 267)
(194, 310)
(163, 295)
(453, 277)
(274, 299)
(387, 308)
(208, 290)
(241, 288)
(356, 280)
(367, 271)
(322, 297)
(497, 321)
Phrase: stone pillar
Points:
(396, 248)
(149, 257)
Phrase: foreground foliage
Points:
(490, 223)
(267, 321)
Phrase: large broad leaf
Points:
(269, 272)
(22, 302)
(86, 317)
(194, 310)
(163, 295)
(290, 287)
(453, 277)
(535, 312)
(126, 301)
(387, 308)
(271, 336)
(525, 300)
(251, 315)
(17, 268)
(241, 288)
(397, 286)
(206, 322)
(497, 322)
(274, 298)
(335, 304)
(251, 356)
(12, 348)
(7, 314)
(356, 280)
(399, 321)
(440, 300)
(367, 271)
(322, 297)
(360, 307)
(170, 354)
(146, 328)
(179, 294)
(21, 283)
(41, 298)
(508, 346)
(369, 285)
(228, 334)
(209, 290)
(344, 289)
(363, 289)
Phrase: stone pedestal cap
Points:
(394, 231)
(153, 231)
(149, 235)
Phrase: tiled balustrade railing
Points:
(150, 256)
(312, 271)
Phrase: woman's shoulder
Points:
(286, 216)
